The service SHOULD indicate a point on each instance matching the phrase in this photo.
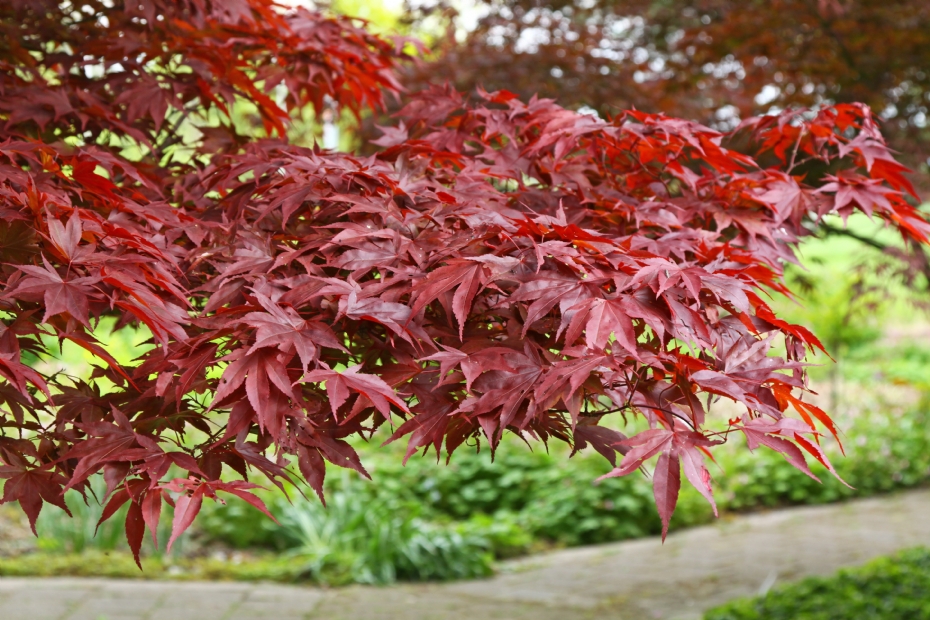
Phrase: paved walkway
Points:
(695, 569)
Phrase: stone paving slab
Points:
(695, 569)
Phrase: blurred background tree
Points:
(715, 61)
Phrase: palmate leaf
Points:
(32, 487)
(464, 276)
(372, 387)
(498, 266)
(185, 511)
(58, 295)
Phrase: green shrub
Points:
(887, 451)
(59, 532)
(891, 588)
(368, 540)
(363, 535)
(240, 525)
(556, 501)
(553, 500)
(503, 531)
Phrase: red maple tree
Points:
(496, 266)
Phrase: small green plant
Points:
(365, 535)
(364, 540)
(60, 533)
(121, 565)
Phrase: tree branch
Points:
(833, 230)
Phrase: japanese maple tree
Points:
(496, 266)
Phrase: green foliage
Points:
(847, 292)
(429, 522)
(503, 531)
(58, 532)
(553, 500)
(426, 522)
(841, 306)
(240, 526)
(61, 534)
(905, 364)
(887, 451)
(556, 502)
(90, 563)
(889, 588)
(370, 540)
(360, 536)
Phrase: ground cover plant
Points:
(887, 588)
(496, 267)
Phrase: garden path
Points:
(640, 579)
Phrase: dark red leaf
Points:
(135, 530)
(606, 441)
(151, 512)
(666, 483)
(185, 510)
